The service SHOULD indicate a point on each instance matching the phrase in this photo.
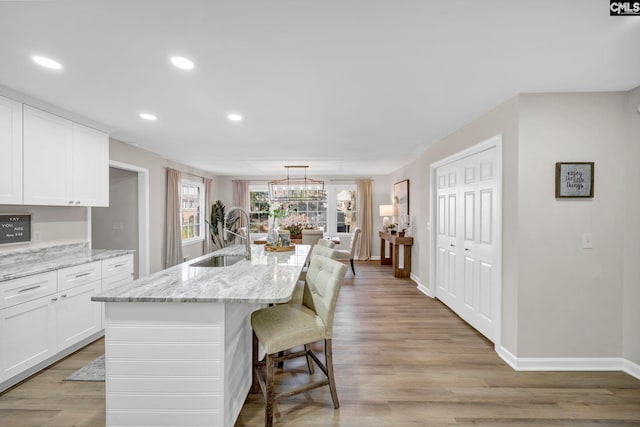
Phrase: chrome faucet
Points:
(247, 237)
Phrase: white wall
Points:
(50, 225)
(157, 167)
(116, 226)
(570, 302)
(631, 225)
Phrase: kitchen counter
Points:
(178, 342)
(21, 263)
(269, 277)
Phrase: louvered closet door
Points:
(466, 272)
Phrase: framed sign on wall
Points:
(574, 179)
(15, 228)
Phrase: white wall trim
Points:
(494, 141)
(569, 363)
(143, 214)
(375, 258)
(421, 287)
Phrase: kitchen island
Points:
(178, 342)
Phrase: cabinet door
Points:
(47, 159)
(90, 166)
(78, 316)
(28, 334)
(11, 149)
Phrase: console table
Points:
(394, 253)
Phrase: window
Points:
(335, 214)
(345, 199)
(192, 210)
(258, 208)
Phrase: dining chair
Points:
(326, 243)
(311, 237)
(282, 328)
(349, 253)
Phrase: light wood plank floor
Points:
(401, 359)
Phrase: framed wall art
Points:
(574, 179)
(401, 198)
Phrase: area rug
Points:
(93, 371)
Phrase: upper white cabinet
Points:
(90, 178)
(11, 149)
(65, 163)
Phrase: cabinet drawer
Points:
(79, 275)
(27, 288)
(118, 265)
(115, 281)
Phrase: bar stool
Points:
(285, 326)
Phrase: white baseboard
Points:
(569, 363)
(421, 287)
(375, 258)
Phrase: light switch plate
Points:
(587, 241)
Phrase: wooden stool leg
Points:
(255, 386)
(270, 392)
(328, 353)
(307, 348)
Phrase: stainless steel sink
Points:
(217, 261)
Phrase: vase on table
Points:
(272, 235)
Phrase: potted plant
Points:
(218, 222)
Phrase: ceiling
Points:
(348, 87)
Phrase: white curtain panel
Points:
(173, 253)
(241, 199)
(364, 217)
(208, 244)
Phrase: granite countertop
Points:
(26, 263)
(269, 277)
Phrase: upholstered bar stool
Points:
(324, 249)
(286, 326)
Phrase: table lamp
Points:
(386, 211)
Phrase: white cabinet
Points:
(65, 163)
(77, 316)
(10, 151)
(90, 179)
(43, 315)
(27, 322)
(116, 272)
(28, 333)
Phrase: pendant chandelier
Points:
(296, 189)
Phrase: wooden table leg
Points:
(406, 270)
(384, 260)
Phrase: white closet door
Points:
(448, 238)
(467, 224)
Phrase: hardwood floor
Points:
(401, 359)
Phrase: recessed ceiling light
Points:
(47, 62)
(234, 117)
(182, 62)
(148, 116)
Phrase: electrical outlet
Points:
(587, 241)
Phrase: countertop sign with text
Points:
(574, 179)
(15, 228)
